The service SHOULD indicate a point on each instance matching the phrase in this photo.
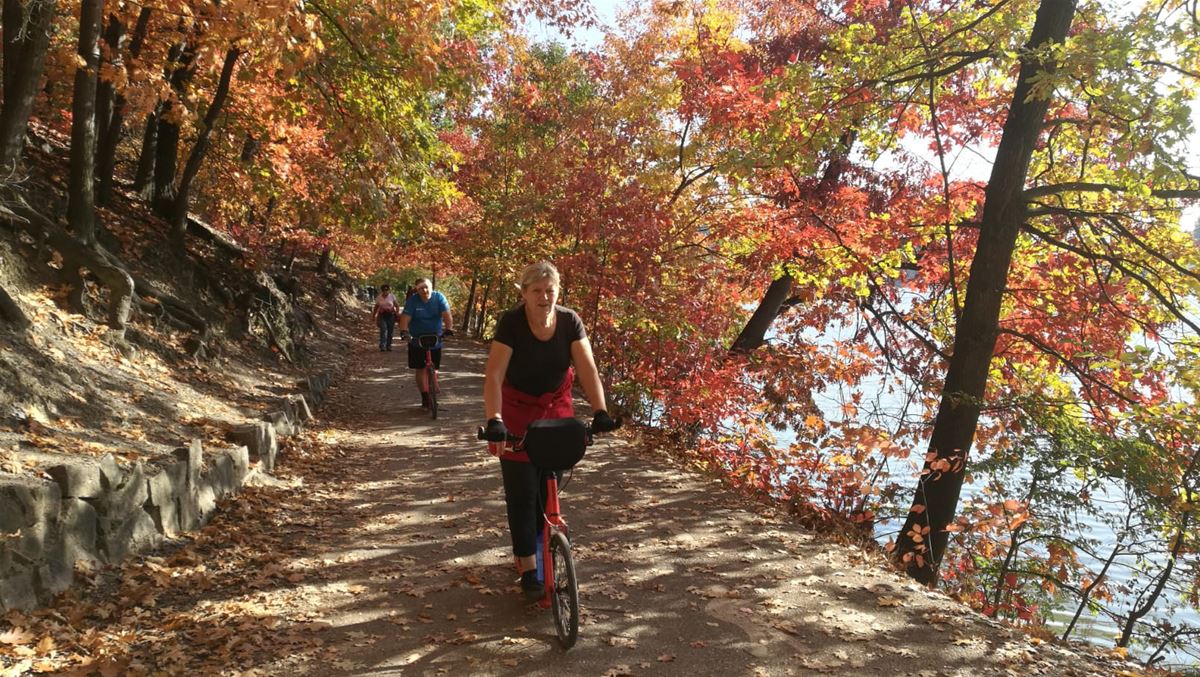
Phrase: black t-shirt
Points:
(538, 367)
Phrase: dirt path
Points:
(677, 576)
(383, 551)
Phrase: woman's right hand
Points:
(495, 431)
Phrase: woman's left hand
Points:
(603, 423)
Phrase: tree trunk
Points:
(81, 196)
(25, 46)
(754, 334)
(106, 267)
(481, 320)
(323, 264)
(923, 539)
(469, 307)
(143, 179)
(1136, 614)
(11, 313)
(113, 38)
(1189, 493)
(1085, 594)
(166, 160)
(196, 157)
(106, 152)
(596, 298)
(120, 291)
(182, 60)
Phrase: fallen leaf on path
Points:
(16, 636)
(818, 665)
(18, 669)
(618, 640)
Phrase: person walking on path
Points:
(528, 377)
(384, 315)
(425, 312)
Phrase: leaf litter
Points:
(347, 568)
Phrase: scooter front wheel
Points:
(565, 593)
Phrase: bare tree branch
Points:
(1090, 187)
(1072, 367)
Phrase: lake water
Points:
(1097, 628)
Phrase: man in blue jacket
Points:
(425, 312)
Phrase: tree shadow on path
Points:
(382, 549)
(677, 575)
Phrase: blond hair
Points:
(536, 272)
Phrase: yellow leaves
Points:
(887, 601)
(16, 636)
(19, 668)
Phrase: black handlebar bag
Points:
(556, 443)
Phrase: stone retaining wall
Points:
(100, 512)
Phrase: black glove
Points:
(447, 332)
(603, 423)
(404, 335)
(495, 431)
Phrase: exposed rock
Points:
(121, 499)
(16, 590)
(240, 457)
(303, 411)
(193, 456)
(77, 480)
(260, 440)
(281, 422)
(136, 534)
(164, 490)
(78, 530)
(28, 518)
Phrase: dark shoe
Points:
(389, 348)
(381, 349)
(425, 400)
(531, 587)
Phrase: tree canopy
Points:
(945, 240)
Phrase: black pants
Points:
(524, 496)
